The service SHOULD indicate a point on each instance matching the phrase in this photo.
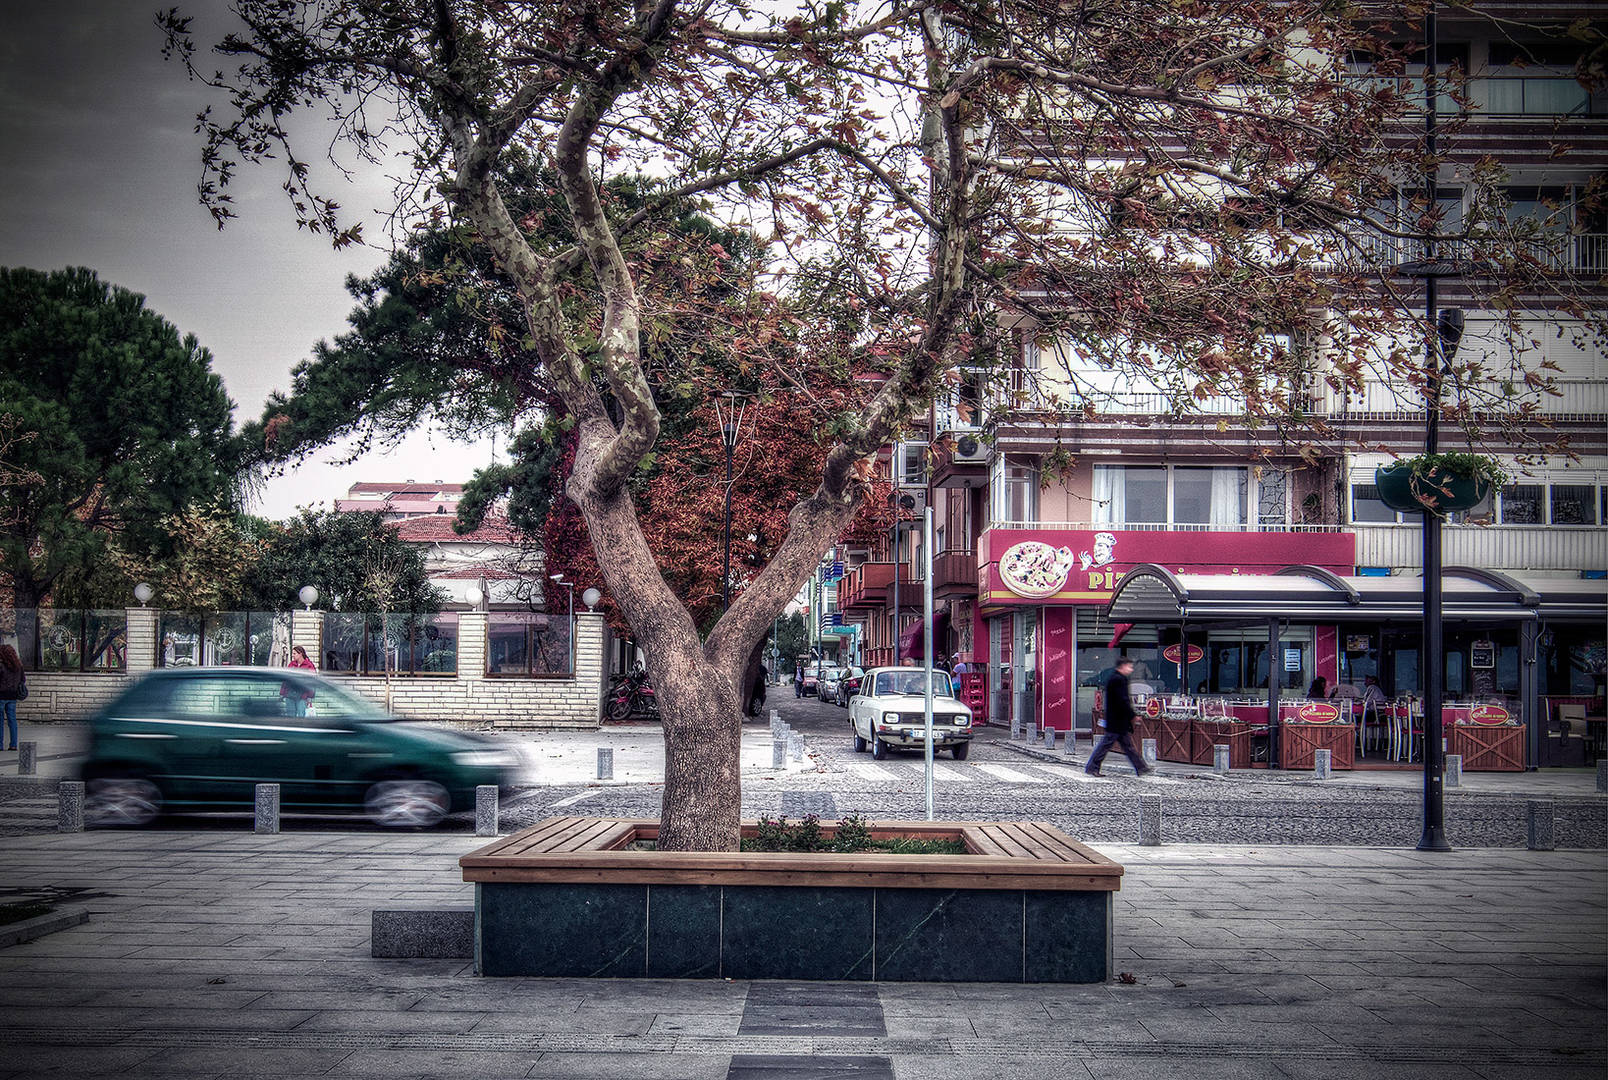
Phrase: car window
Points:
(225, 699)
(911, 683)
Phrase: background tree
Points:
(333, 552)
(212, 551)
(128, 426)
(1168, 182)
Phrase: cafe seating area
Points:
(1488, 735)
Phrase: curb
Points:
(37, 927)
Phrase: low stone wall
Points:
(467, 697)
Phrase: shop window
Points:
(52, 640)
(1522, 504)
(404, 644)
(1572, 504)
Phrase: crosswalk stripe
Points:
(952, 774)
(868, 771)
(1053, 772)
(1009, 775)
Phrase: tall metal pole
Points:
(898, 622)
(1433, 661)
(728, 435)
(926, 614)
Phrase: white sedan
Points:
(890, 710)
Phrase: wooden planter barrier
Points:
(1487, 749)
(1208, 733)
(1297, 742)
(565, 898)
(1175, 741)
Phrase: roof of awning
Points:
(1153, 594)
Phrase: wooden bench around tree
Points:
(571, 897)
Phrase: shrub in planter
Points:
(1437, 483)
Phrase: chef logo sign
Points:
(1036, 570)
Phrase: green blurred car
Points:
(202, 739)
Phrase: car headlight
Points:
(484, 758)
(962, 720)
(890, 718)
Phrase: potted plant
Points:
(1438, 483)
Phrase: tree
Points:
(336, 552)
(914, 170)
(126, 425)
(211, 553)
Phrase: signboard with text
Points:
(1082, 566)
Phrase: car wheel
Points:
(879, 749)
(410, 803)
(961, 750)
(859, 744)
(113, 801)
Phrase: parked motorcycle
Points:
(630, 696)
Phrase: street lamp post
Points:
(731, 420)
(558, 579)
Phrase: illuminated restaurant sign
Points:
(1083, 566)
(1317, 712)
(1489, 714)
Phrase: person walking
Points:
(1118, 722)
(13, 683)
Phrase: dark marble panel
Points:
(683, 931)
(772, 932)
(783, 1067)
(846, 995)
(957, 935)
(1068, 936)
(586, 931)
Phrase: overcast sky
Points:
(99, 169)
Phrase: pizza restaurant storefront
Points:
(1050, 648)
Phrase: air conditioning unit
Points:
(908, 503)
(970, 450)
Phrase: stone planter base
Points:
(1030, 905)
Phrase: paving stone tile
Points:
(614, 1066)
(426, 1063)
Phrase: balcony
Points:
(1495, 547)
(954, 574)
(870, 585)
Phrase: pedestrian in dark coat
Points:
(1118, 722)
(12, 682)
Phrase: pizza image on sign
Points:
(1035, 570)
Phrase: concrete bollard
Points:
(778, 751)
(267, 808)
(1602, 774)
(70, 806)
(27, 758)
(776, 721)
(486, 810)
(605, 763)
(1220, 758)
(1322, 763)
(1049, 738)
(1070, 747)
(1150, 821)
(1147, 750)
(795, 745)
(1540, 830)
(1453, 774)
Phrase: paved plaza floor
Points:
(224, 954)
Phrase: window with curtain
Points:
(1368, 507)
(1144, 494)
(1015, 491)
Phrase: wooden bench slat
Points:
(527, 839)
(1009, 843)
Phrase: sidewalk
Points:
(226, 954)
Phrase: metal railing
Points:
(1161, 526)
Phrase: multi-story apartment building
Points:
(1041, 515)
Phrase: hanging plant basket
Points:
(1417, 486)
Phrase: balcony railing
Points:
(1558, 253)
(1500, 547)
(1500, 95)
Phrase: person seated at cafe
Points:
(1319, 689)
(1372, 692)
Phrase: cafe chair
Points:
(1380, 720)
(1573, 717)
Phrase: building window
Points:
(1572, 504)
(1367, 506)
(910, 465)
(52, 640)
(529, 643)
(1015, 491)
(1522, 504)
(1273, 498)
(1158, 495)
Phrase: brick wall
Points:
(470, 696)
